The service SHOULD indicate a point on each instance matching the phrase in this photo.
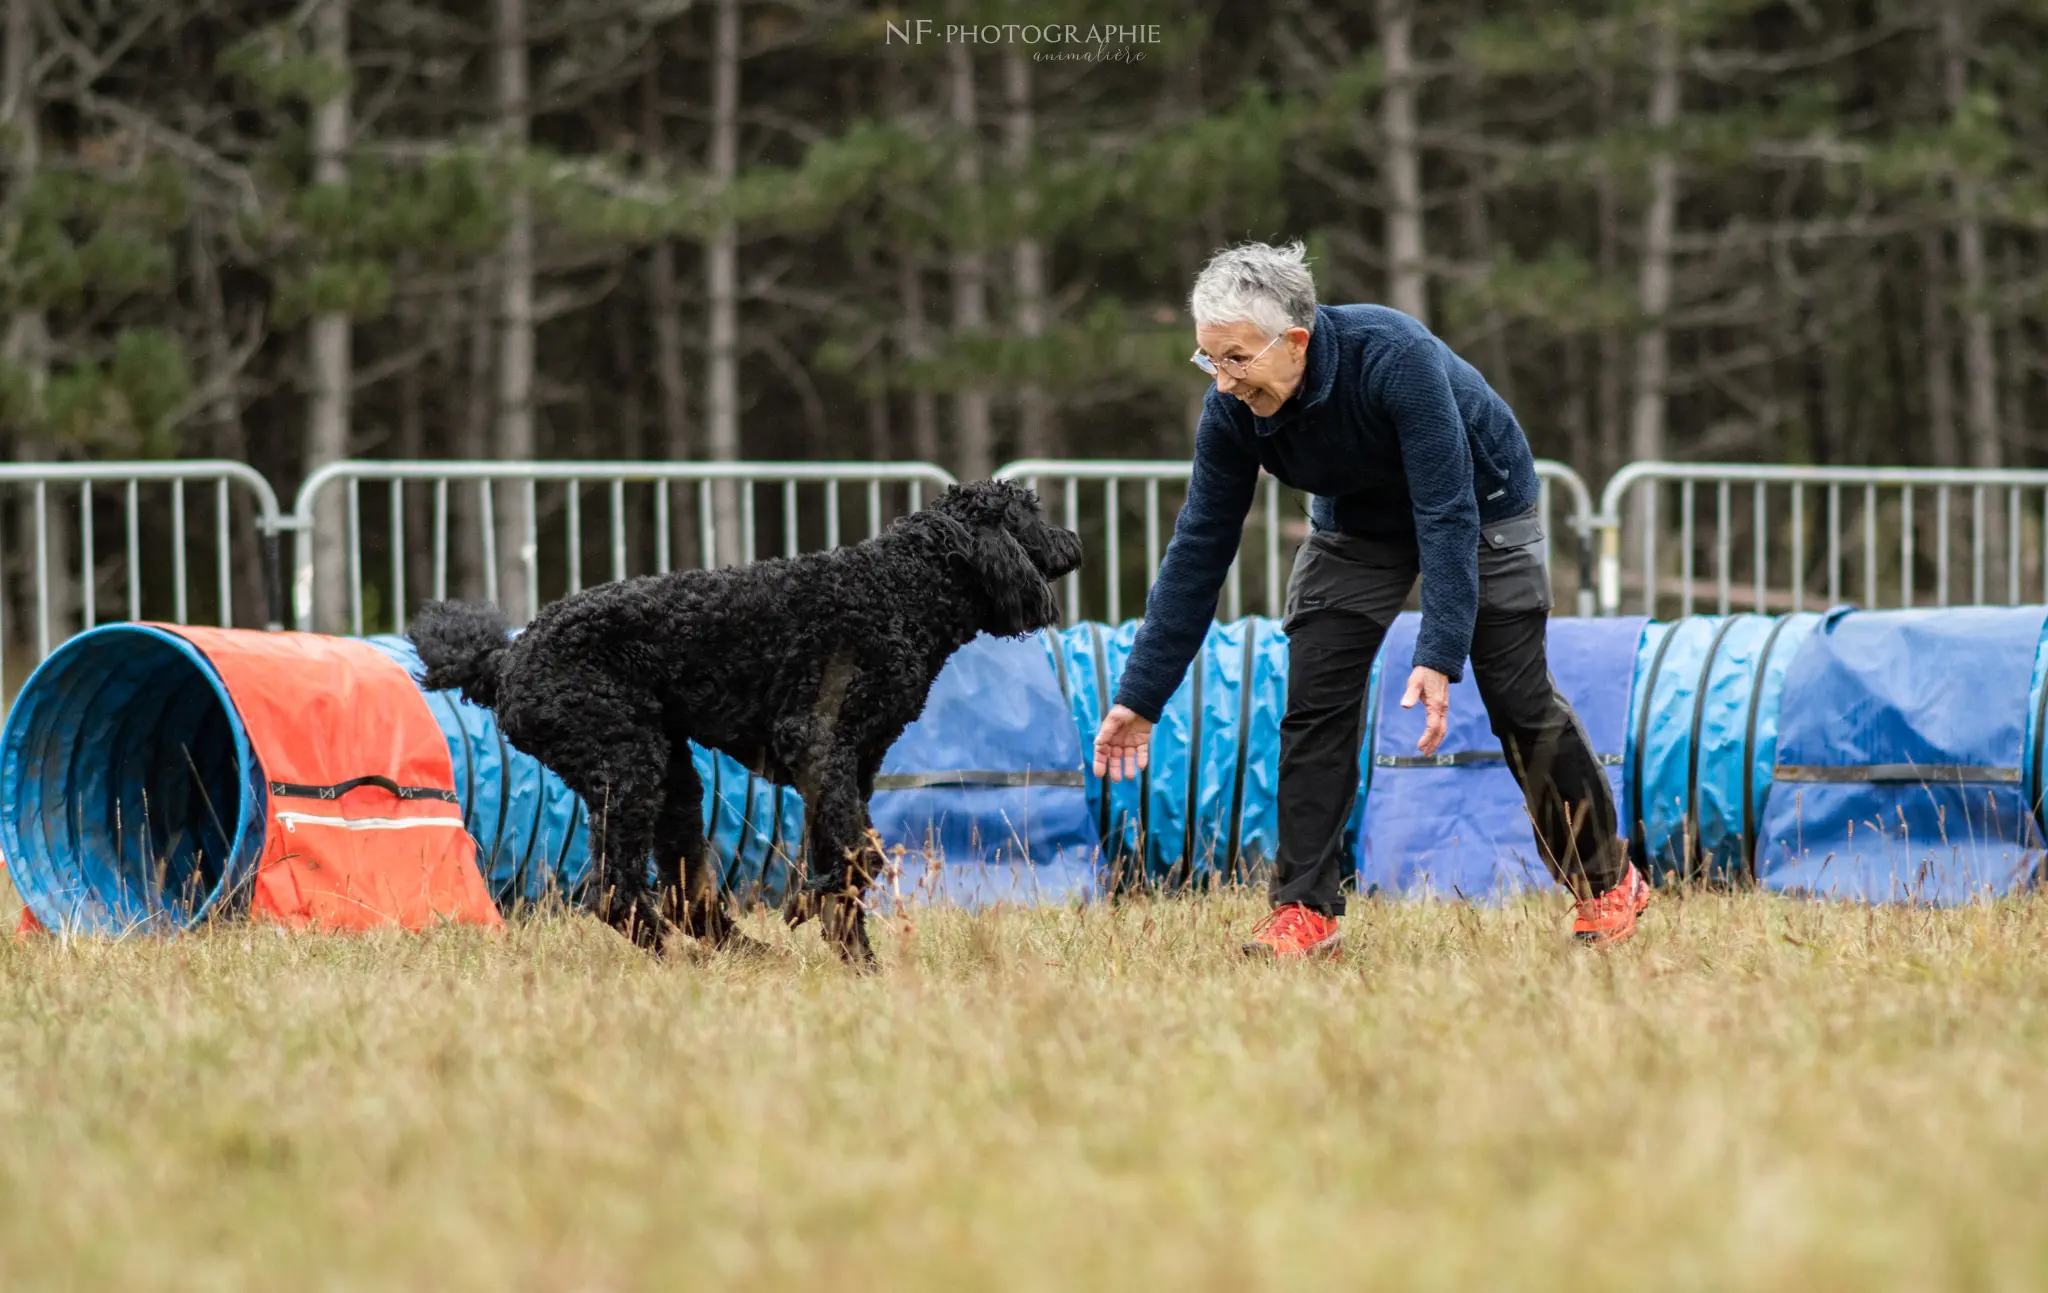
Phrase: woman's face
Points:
(1261, 370)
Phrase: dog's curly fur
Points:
(806, 669)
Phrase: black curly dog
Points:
(806, 669)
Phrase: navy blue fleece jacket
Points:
(1396, 438)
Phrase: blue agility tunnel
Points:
(1454, 824)
(987, 784)
(1908, 760)
(1703, 741)
(132, 799)
(532, 842)
(1203, 811)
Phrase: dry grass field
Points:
(1756, 1094)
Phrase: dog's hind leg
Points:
(688, 881)
(619, 775)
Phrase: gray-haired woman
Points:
(1417, 467)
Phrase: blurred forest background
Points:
(287, 233)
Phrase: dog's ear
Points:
(1019, 596)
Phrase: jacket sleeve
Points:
(1205, 539)
(1416, 395)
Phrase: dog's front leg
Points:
(840, 862)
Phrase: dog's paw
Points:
(802, 904)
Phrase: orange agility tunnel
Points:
(156, 776)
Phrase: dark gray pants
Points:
(1341, 598)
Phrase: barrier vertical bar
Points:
(1834, 544)
(618, 529)
(1760, 522)
(178, 548)
(397, 555)
(1272, 547)
(789, 534)
(487, 506)
(529, 546)
(42, 514)
(1941, 545)
(355, 560)
(707, 537)
(574, 512)
(441, 539)
(1870, 545)
(1906, 546)
(1721, 528)
(831, 514)
(1798, 546)
(1073, 501)
(663, 558)
(88, 565)
(223, 543)
(1112, 543)
(134, 520)
(1685, 566)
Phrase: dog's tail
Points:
(462, 644)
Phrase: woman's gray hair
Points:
(1266, 286)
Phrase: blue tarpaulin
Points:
(988, 783)
(1702, 740)
(1901, 763)
(1454, 824)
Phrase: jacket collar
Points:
(1318, 377)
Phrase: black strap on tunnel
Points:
(1694, 853)
(292, 790)
(1902, 774)
(980, 779)
(1637, 836)
(1463, 759)
(1244, 747)
(1756, 698)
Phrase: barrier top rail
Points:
(1745, 473)
(1780, 539)
(727, 525)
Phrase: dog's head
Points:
(1012, 551)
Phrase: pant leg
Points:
(1341, 598)
(1570, 801)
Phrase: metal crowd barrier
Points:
(1144, 496)
(532, 548)
(1792, 536)
(200, 541)
(92, 542)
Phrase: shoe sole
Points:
(1330, 949)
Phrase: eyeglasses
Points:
(1235, 367)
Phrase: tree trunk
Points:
(664, 301)
(1940, 352)
(473, 439)
(915, 344)
(1980, 353)
(721, 284)
(329, 345)
(972, 422)
(26, 345)
(1646, 426)
(515, 435)
(230, 436)
(1027, 253)
(1407, 280)
(1612, 361)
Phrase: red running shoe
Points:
(1611, 917)
(1294, 933)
